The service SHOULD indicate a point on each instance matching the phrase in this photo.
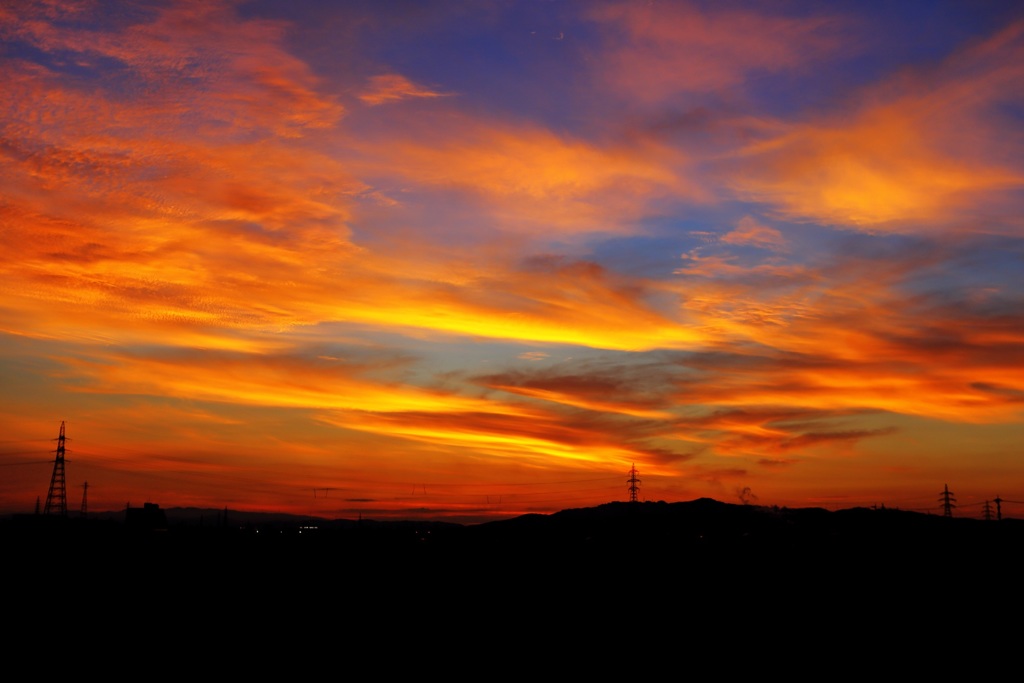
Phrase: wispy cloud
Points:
(386, 88)
(928, 149)
(751, 232)
(741, 247)
(528, 179)
(658, 51)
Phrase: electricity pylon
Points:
(57, 496)
(948, 501)
(634, 484)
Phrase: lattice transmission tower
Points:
(634, 484)
(57, 496)
(948, 501)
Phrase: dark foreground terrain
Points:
(703, 563)
(680, 538)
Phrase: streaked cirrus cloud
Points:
(467, 261)
(927, 149)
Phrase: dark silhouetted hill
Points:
(702, 530)
(708, 564)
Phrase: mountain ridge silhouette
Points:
(643, 557)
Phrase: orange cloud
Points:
(616, 390)
(201, 66)
(750, 232)
(529, 179)
(206, 239)
(839, 336)
(265, 380)
(923, 150)
(538, 439)
(123, 232)
(657, 51)
(392, 88)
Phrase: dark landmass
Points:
(702, 529)
(713, 565)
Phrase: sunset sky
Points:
(467, 260)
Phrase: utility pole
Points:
(987, 512)
(85, 497)
(634, 483)
(999, 508)
(57, 496)
(948, 501)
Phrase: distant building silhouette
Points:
(147, 518)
